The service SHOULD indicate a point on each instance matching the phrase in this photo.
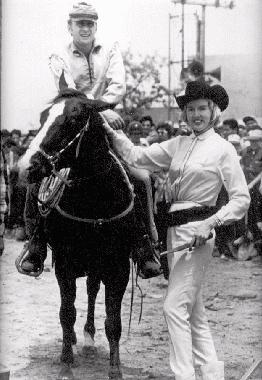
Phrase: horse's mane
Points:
(69, 93)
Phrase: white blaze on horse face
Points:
(55, 110)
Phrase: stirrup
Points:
(21, 258)
(155, 249)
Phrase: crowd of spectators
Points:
(13, 190)
(245, 135)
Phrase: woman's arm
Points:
(153, 158)
(236, 186)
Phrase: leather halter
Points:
(53, 160)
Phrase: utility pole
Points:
(170, 62)
(202, 24)
(183, 35)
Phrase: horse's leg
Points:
(92, 287)
(114, 292)
(67, 318)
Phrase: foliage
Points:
(143, 82)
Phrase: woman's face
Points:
(198, 115)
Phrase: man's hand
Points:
(202, 233)
(114, 120)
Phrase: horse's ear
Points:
(100, 105)
(62, 82)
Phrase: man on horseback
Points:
(97, 70)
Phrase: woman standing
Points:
(198, 166)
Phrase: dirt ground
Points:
(31, 333)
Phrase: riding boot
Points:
(147, 255)
(35, 231)
(37, 246)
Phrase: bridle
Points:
(53, 159)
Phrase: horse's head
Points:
(61, 125)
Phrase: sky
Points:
(33, 29)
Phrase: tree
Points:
(143, 85)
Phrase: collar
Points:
(203, 136)
(97, 45)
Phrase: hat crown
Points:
(83, 9)
(197, 89)
(201, 90)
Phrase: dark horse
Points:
(91, 231)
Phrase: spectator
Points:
(242, 131)
(184, 129)
(164, 131)
(175, 129)
(149, 130)
(16, 136)
(250, 122)
(252, 157)
(135, 133)
(235, 140)
(252, 165)
(229, 127)
(147, 124)
(28, 138)
(3, 198)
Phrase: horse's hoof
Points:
(65, 373)
(115, 373)
(89, 351)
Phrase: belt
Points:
(176, 218)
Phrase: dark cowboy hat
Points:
(201, 90)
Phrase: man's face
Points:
(227, 130)
(16, 138)
(242, 132)
(184, 129)
(82, 31)
(251, 124)
(146, 127)
(135, 136)
(162, 134)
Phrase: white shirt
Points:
(196, 173)
(99, 76)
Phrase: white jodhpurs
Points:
(191, 343)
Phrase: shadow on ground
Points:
(44, 364)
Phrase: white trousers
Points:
(191, 343)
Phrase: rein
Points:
(52, 159)
(101, 221)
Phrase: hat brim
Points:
(78, 17)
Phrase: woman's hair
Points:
(215, 113)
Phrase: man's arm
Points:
(116, 88)
(115, 77)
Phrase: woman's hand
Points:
(114, 120)
(203, 232)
